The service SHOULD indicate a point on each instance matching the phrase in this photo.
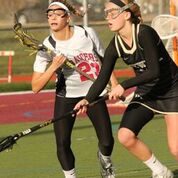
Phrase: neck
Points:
(64, 34)
(126, 33)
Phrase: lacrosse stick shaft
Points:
(72, 112)
(8, 142)
(39, 126)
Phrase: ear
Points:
(127, 15)
(68, 19)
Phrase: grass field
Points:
(34, 156)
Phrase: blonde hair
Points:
(71, 8)
(136, 16)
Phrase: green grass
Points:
(35, 155)
(24, 86)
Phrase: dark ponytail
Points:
(135, 11)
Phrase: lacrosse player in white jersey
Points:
(81, 46)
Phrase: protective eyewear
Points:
(115, 12)
(112, 13)
(59, 12)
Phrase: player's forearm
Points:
(40, 81)
(113, 80)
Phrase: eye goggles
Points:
(59, 12)
(112, 13)
(115, 12)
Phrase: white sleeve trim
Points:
(117, 47)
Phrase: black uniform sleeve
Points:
(148, 40)
(102, 80)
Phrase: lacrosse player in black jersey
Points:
(156, 79)
(81, 46)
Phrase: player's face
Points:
(115, 16)
(57, 18)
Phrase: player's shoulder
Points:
(47, 42)
(145, 30)
(113, 41)
(89, 29)
(145, 27)
(85, 29)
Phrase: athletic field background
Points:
(23, 61)
(34, 156)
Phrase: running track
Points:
(30, 107)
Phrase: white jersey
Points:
(80, 49)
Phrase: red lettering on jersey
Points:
(85, 57)
(91, 69)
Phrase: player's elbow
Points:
(154, 74)
(35, 89)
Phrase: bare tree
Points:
(9, 7)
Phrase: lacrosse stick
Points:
(167, 28)
(8, 142)
(35, 46)
(29, 41)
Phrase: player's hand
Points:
(116, 92)
(58, 61)
(81, 106)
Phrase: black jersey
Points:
(156, 73)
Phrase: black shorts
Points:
(135, 117)
(161, 102)
(143, 107)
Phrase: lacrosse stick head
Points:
(26, 39)
(8, 142)
(166, 26)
